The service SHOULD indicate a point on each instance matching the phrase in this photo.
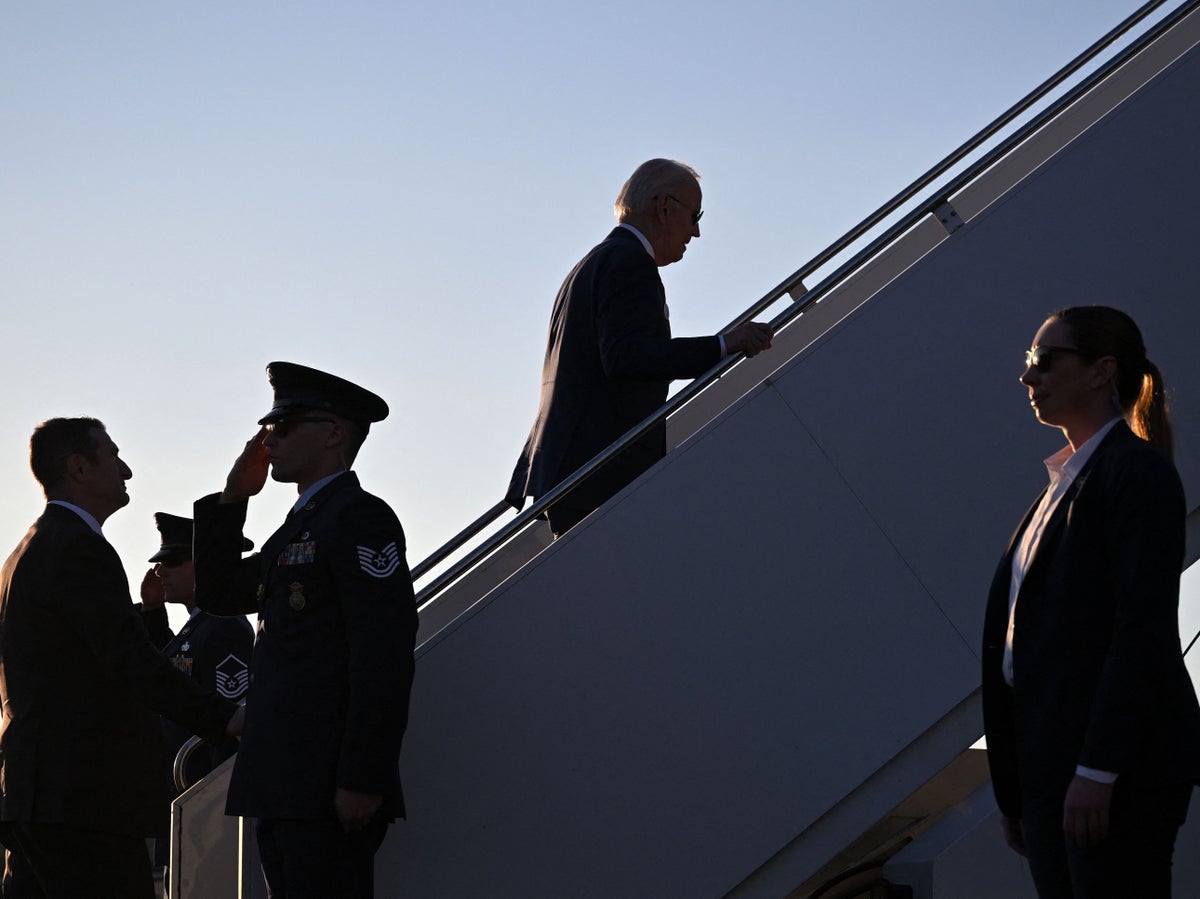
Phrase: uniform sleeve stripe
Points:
(379, 563)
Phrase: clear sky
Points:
(394, 191)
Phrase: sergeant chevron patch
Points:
(382, 563)
(232, 676)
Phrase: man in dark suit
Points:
(81, 783)
(333, 661)
(610, 357)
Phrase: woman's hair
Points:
(1104, 331)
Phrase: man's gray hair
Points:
(651, 179)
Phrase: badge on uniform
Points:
(182, 662)
(379, 563)
(296, 598)
(233, 676)
(298, 553)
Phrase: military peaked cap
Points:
(176, 535)
(299, 388)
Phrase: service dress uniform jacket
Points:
(83, 688)
(333, 659)
(214, 651)
(1098, 673)
(609, 363)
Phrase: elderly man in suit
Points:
(610, 357)
(333, 661)
(81, 783)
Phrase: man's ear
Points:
(660, 207)
(77, 467)
(337, 435)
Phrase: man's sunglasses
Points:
(285, 426)
(696, 214)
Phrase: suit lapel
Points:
(1015, 539)
(1053, 531)
(996, 614)
(1050, 534)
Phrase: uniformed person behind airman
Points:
(213, 650)
(333, 658)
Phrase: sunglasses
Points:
(1041, 358)
(285, 426)
(696, 214)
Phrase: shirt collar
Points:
(1068, 463)
(88, 518)
(640, 236)
(312, 491)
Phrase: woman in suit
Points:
(1093, 728)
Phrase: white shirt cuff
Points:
(1101, 777)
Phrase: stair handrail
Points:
(813, 295)
(179, 768)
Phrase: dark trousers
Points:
(49, 861)
(564, 515)
(583, 501)
(1134, 859)
(598, 488)
(317, 859)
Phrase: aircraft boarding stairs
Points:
(754, 672)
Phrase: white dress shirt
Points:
(88, 518)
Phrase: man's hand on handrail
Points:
(751, 338)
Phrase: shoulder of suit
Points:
(1121, 441)
(56, 517)
(620, 250)
(62, 527)
(623, 243)
(1123, 451)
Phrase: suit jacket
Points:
(333, 660)
(609, 362)
(82, 688)
(1098, 672)
(214, 651)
